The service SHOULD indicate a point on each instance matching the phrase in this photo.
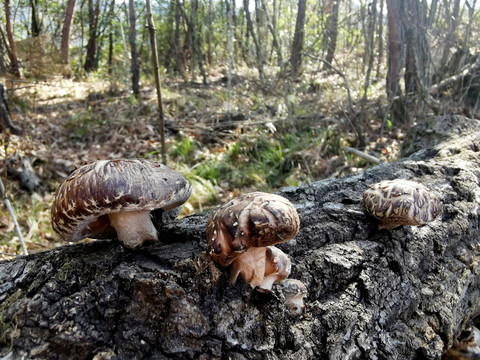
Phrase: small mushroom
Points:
(294, 291)
(255, 219)
(115, 197)
(401, 202)
(261, 266)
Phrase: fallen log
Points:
(403, 293)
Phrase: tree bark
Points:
(452, 19)
(179, 63)
(192, 43)
(5, 119)
(156, 68)
(91, 56)
(36, 24)
(258, 50)
(331, 33)
(133, 49)
(380, 42)
(65, 45)
(15, 68)
(402, 293)
(395, 59)
(395, 46)
(297, 44)
(209, 32)
(417, 47)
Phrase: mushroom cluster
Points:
(116, 197)
(242, 232)
(401, 202)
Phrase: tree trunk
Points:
(125, 52)
(133, 49)
(5, 119)
(417, 47)
(395, 59)
(36, 25)
(331, 33)
(15, 68)
(93, 14)
(395, 47)
(179, 63)
(65, 46)
(110, 53)
(193, 38)
(369, 56)
(156, 68)
(450, 42)
(402, 293)
(209, 32)
(192, 43)
(380, 42)
(297, 44)
(273, 32)
(258, 50)
(3, 65)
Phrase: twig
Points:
(341, 74)
(365, 156)
(12, 214)
(470, 70)
(153, 42)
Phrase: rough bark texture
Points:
(402, 293)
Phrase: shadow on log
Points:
(403, 293)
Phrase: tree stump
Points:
(402, 293)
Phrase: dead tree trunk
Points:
(402, 293)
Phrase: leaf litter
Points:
(68, 123)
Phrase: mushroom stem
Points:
(261, 266)
(133, 227)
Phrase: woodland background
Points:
(254, 94)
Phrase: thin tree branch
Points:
(153, 43)
(12, 214)
(435, 89)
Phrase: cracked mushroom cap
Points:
(255, 219)
(261, 267)
(401, 202)
(115, 197)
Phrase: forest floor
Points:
(259, 144)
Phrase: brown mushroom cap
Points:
(255, 219)
(401, 202)
(109, 197)
(261, 266)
